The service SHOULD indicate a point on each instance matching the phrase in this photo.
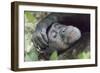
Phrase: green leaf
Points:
(54, 56)
(84, 55)
(34, 55)
(27, 57)
(31, 56)
(30, 17)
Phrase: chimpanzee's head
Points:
(61, 36)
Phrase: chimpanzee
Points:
(59, 31)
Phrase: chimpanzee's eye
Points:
(63, 31)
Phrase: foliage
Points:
(31, 19)
(84, 55)
(31, 56)
(54, 56)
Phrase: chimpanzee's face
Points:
(62, 36)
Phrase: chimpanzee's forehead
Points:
(52, 27)
(56, 26)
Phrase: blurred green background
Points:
(31, 19)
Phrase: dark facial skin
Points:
(61, 36)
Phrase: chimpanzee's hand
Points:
(40, 38)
